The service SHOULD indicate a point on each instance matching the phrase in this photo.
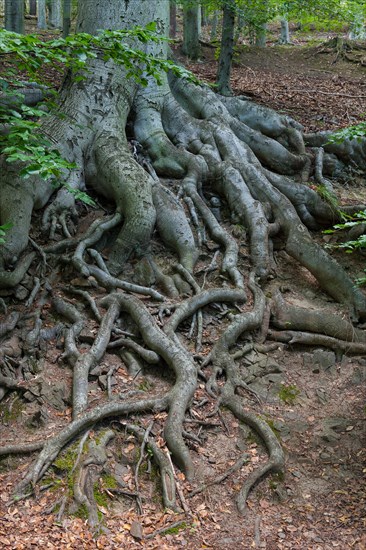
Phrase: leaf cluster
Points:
(21, 141)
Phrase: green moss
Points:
(100, 497)
(275, 480)
(288, 393)
(10, 411)
(81, 512)
(175, 530)
(145, 385)
(238, 231)
(65, 463)
(272, 425)
(109, 481)
(66, 460)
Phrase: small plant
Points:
(3, 229)
(358, 219)
(351, 132)
(145, 386)
(288, 393)
(327, 196)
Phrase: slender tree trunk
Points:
(227, 49)
(239, 27)
(204, 18)
(32, 7)
(261, 35)
(55, 14)
(66, 18)
(42, 21)
(191, 30)
(214, 22)
(173, 19)
(14, 16)
(285, 32)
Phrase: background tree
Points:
(66, 18)
(41, 13)
(14, 16)
(54, 13)
(226, 48)
(33, 7)
(191, 28)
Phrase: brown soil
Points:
(320, 502)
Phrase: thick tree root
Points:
(54, 445)
(293, 337)
(276, 461)
(285, 316)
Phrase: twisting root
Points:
(220, 356)
(276, 460)
(182, 366)
(54, 445)
(87, 473)
(166, 472)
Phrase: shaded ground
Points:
(315, 400)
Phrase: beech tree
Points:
(191, 28)
(14, 16)
(233, 162)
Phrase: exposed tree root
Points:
(312, 339)
(233, 163)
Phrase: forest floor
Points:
(314, 400)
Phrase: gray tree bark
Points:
(226, 49)
(285, 32)
(14, 16)
(191, 30)
(41, 20)
(55, 13)
(173, 19)
(66, 18)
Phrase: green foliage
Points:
(350, 246)
(3, 229)
(23, 142)
(145, 385)
(288, 393)
(352, 132)
(328, 196)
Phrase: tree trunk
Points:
(66, 20)
(214, 23)
(204, 17)
(285, 32)
(226, 49)
(41, 20)
(173, 19)
(33, 7)
(261, 35)
(54, 13)
(189, 151)
(191, 30)
(14, 16)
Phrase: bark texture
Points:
(235, 164)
